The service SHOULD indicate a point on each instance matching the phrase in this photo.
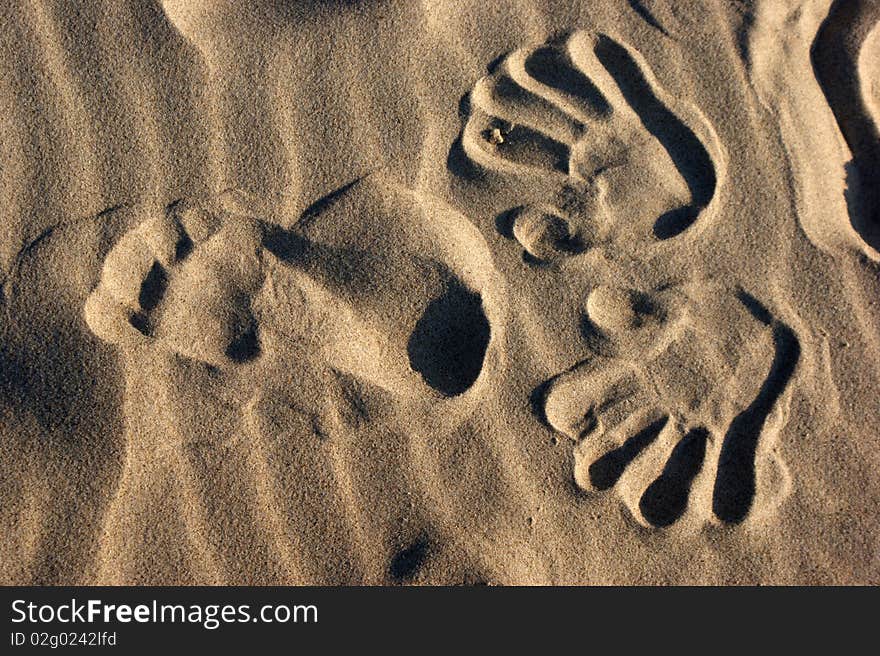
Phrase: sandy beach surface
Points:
(494, 292)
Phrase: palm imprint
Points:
(586, 120)
(671, 406)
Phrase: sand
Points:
(501, 292)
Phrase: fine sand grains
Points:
(477, 292)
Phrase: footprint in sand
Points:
(671, 408)
(216, 286)
(308, 357)
(612, 157)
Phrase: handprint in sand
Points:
(595, 151)
(283, 373)
(678, 405)
(609, 178)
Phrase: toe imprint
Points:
(163, 282)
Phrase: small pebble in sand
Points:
(495, 137)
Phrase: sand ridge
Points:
(505, 293)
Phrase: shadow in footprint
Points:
(449, 342)
(674, 222)
(153, 287)
(152, 290)
(666, 498)
(735, 483)
(606, 471)
(684, 148)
